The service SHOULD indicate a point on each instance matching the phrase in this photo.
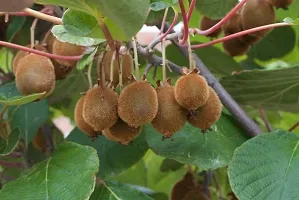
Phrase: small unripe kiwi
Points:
(171, 117)
(138, 103)
(182, 187)
(35, 74)
(208, 114)
(79, 120)
(191, 90)
(15, 5)
(257, 13)
(121, 132)
(281, 3)
(100, 108)
(66, 49)
(207, 23)
(22, 54)
(235, 47)
(127, 66)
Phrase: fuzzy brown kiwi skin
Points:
(15, 5)
(208, 114)
(22, 54)
(182, 187)
(127, 68)
(171, 117)
(196, 194)
(35, 74)
(191, 91)
(66, 49)
(79, 120)
(257, 13)
(235, 47)
(121, 132)
(100, 108)
(138, 103)
(284, 4)
(207, 23)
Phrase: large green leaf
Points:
(116, 191)
(271, 89)
(208, 151)
(265, 167)
(216, 9)
(29, 118)
(14, 26)
(115, 158)
(157, 5)
(124, 16)
(68, 174)
(278, 43)
(7, 146)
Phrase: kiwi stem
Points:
(101, 82)
(106, 32)
(32, 32)
(185, 21)
(163, 60)
(163, 21)
(112, 67)
(265, 119)
(136, 58)
(43, 16)
(89, 75)
(11, 164)
(191, 8)
(120, 70)
(42, 53)
(14, 14)
(294, 126)
(235, 35)
(191, 58)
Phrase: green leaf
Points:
(29, 118)
(208, 151)
(270, 89)
(6, 147)
(19, 100)
(86, 59)
(115, 158)
(216, 9)
(278, 43)
(14, 27)
(63, 35)
(124, 18)
(68, 174)
(116, 191)
(265, 167)
(157, 5)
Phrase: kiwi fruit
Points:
(207, 115)
(15, 5)
(207, 23)
(35, 74)
(196, 194)
(39, 141)
(257, 13)
(235, 47)
(138, 103)
(171, 117)
(66, 49)
(22, 54)
(79, 120)
(49, 39)
(127, 66)
(100, 108)
(121, 132)
(191, 90)
(281, 3)
(182, 187)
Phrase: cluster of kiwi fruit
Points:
(37, 74)
(254, 13)
(120, 117)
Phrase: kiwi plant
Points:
(183, 186)
(205, 116)
(121, 132)
(171, 117)
(191, 91)
(138, 103)
(235, 47)
(207, 23)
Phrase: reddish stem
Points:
(16, 14)
(229, 37)
(49, 55)
(294, 126)
(191, 8)
(170, 27)
(11, 164)
(265, 119)
(185, 21)
(222, 21)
